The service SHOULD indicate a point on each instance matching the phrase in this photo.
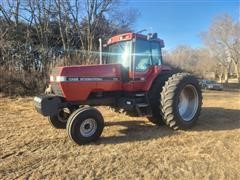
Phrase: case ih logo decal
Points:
(92, 79)
(77, 79)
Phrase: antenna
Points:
(141, 31)
(150, 29)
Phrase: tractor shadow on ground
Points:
(218, 119)
(211, 119)
(135, 130)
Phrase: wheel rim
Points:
(188, 103)
(63, 115)
(88, 127)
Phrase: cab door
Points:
(147, 55)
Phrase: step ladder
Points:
(143, 108)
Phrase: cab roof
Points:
(130, 36)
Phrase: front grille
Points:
(56, 89)
(55, 85)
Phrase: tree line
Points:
(36, 35)
(220, 54)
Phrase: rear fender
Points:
(158, 72)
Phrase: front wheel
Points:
(181, 101)
(85, 125)
(59, 120)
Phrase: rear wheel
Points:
(155, 98)
(181, 101)
(85, 125)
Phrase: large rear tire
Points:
(181, 101)
(155, 98)
(85, 125)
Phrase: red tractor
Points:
(132, 78)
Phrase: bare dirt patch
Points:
(129, 147)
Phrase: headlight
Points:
(51, 78)
(61, 78)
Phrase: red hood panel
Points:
(80, 90)
(105, 70)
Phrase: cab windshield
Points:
(120, 53)
(146, 53)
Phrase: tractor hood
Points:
(77, 83)
(86, 73)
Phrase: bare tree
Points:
(183, 57)
(36, 35)
(235, 49)
(94, 10)
(222, 39)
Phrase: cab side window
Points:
(156, 53)
(142, 55)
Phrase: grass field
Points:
(129, 147)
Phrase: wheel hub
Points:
(88, 127)
(188, 103)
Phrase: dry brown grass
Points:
(129, 147)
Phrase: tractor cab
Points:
(135, 52)
(139, 55)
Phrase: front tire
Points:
(59, 120)
(181, 101)
(85, 125)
